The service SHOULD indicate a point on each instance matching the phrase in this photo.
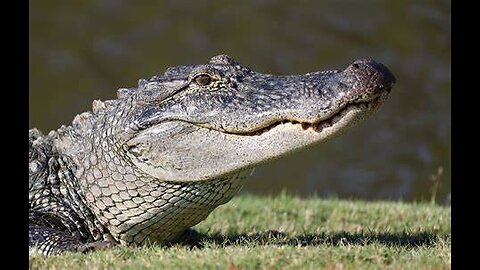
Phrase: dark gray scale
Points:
(49, 241)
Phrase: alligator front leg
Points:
(49, 241)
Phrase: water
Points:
(86, 50)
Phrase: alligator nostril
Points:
(369, 70)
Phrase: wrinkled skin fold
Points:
(144, 167)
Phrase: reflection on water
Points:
(85, 51)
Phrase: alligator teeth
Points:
(318, 126)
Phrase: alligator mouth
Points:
(330, 121)
(344, 114)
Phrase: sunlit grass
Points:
(290, 233)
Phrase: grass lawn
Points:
(286, 232)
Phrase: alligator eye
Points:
(203, 79)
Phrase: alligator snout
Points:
(379, 76)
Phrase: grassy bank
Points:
(290, 233)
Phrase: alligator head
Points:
(200, 122)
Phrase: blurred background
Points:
(83, 51)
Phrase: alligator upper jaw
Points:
(330, 120)
(317, 125)
(341, 120)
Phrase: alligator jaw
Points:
(344, 114)
(333, 125)
(233, 152)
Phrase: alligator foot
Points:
(49, 241)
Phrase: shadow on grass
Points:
(409, 240)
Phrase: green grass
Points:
(287, 232)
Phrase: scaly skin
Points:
(147, 166)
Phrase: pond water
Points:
(86, 50)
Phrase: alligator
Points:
(145, 167)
